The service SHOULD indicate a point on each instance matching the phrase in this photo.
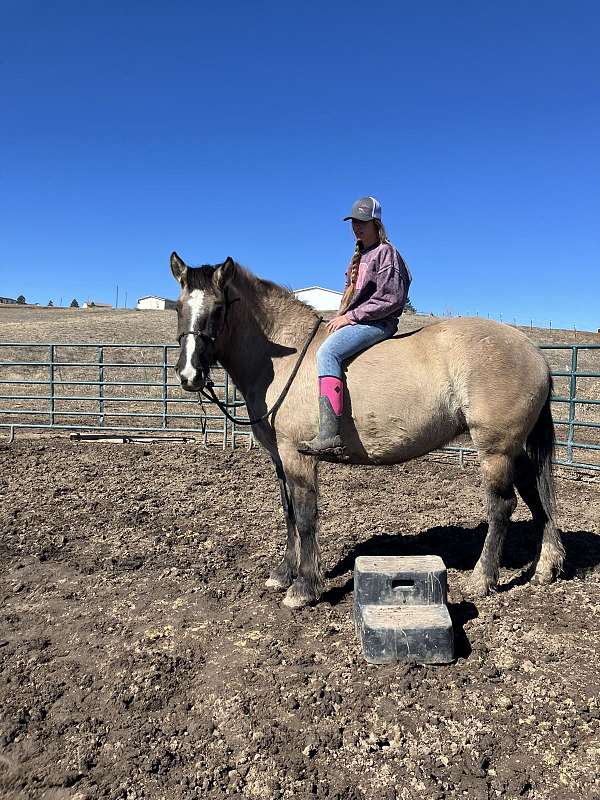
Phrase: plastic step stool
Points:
(400, 610)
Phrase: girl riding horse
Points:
(377, 284)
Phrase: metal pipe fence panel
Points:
(103, 387)
(106, 388)
(575, 406)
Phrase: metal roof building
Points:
(319, 298)
(154, 303)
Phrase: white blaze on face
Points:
(196, 304)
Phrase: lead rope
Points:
(210, 395)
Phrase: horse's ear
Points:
(178, 268)
(224, 274)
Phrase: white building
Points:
(154, 303)
(320, 299)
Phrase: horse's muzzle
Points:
(193, 365)
(194, 385)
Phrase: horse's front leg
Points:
(301, 476)
(282, 575)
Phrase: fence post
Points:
(101, 387)
(572, 407)
(225, 420)
(51, 383)
(235, 413)
(165, 392)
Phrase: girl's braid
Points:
(352, 278)
(354, 265)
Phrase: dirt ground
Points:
(142, 657)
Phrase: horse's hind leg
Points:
(301, 475)
(497, 472)
(551, 553)
(282, 575)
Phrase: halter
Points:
(197, 334)
(204, 333)
(207, 362)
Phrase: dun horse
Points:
(405, 397)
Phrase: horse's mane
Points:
(201, 277)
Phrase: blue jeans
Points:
(346, 342)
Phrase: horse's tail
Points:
(540, 448)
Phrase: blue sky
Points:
(247, 129)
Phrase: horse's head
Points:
(201, 309)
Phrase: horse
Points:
(404, 397)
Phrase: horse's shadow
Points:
(460, 548)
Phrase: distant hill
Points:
(38, 324)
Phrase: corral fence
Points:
(132, 388)
(111, 388)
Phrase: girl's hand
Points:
(337, 322)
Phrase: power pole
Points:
(125, 304)
(117, 300)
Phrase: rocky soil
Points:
(142, 657)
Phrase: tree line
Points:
(22, 301)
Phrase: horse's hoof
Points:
(549, 565)
(280, 578)
(543, 577)
(481, 585)
(276, 583)
(295, 602)
(300, 594)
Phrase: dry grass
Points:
(68, 327)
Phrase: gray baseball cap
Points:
(365, 209)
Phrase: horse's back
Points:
(432, 383)
(466, 348)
